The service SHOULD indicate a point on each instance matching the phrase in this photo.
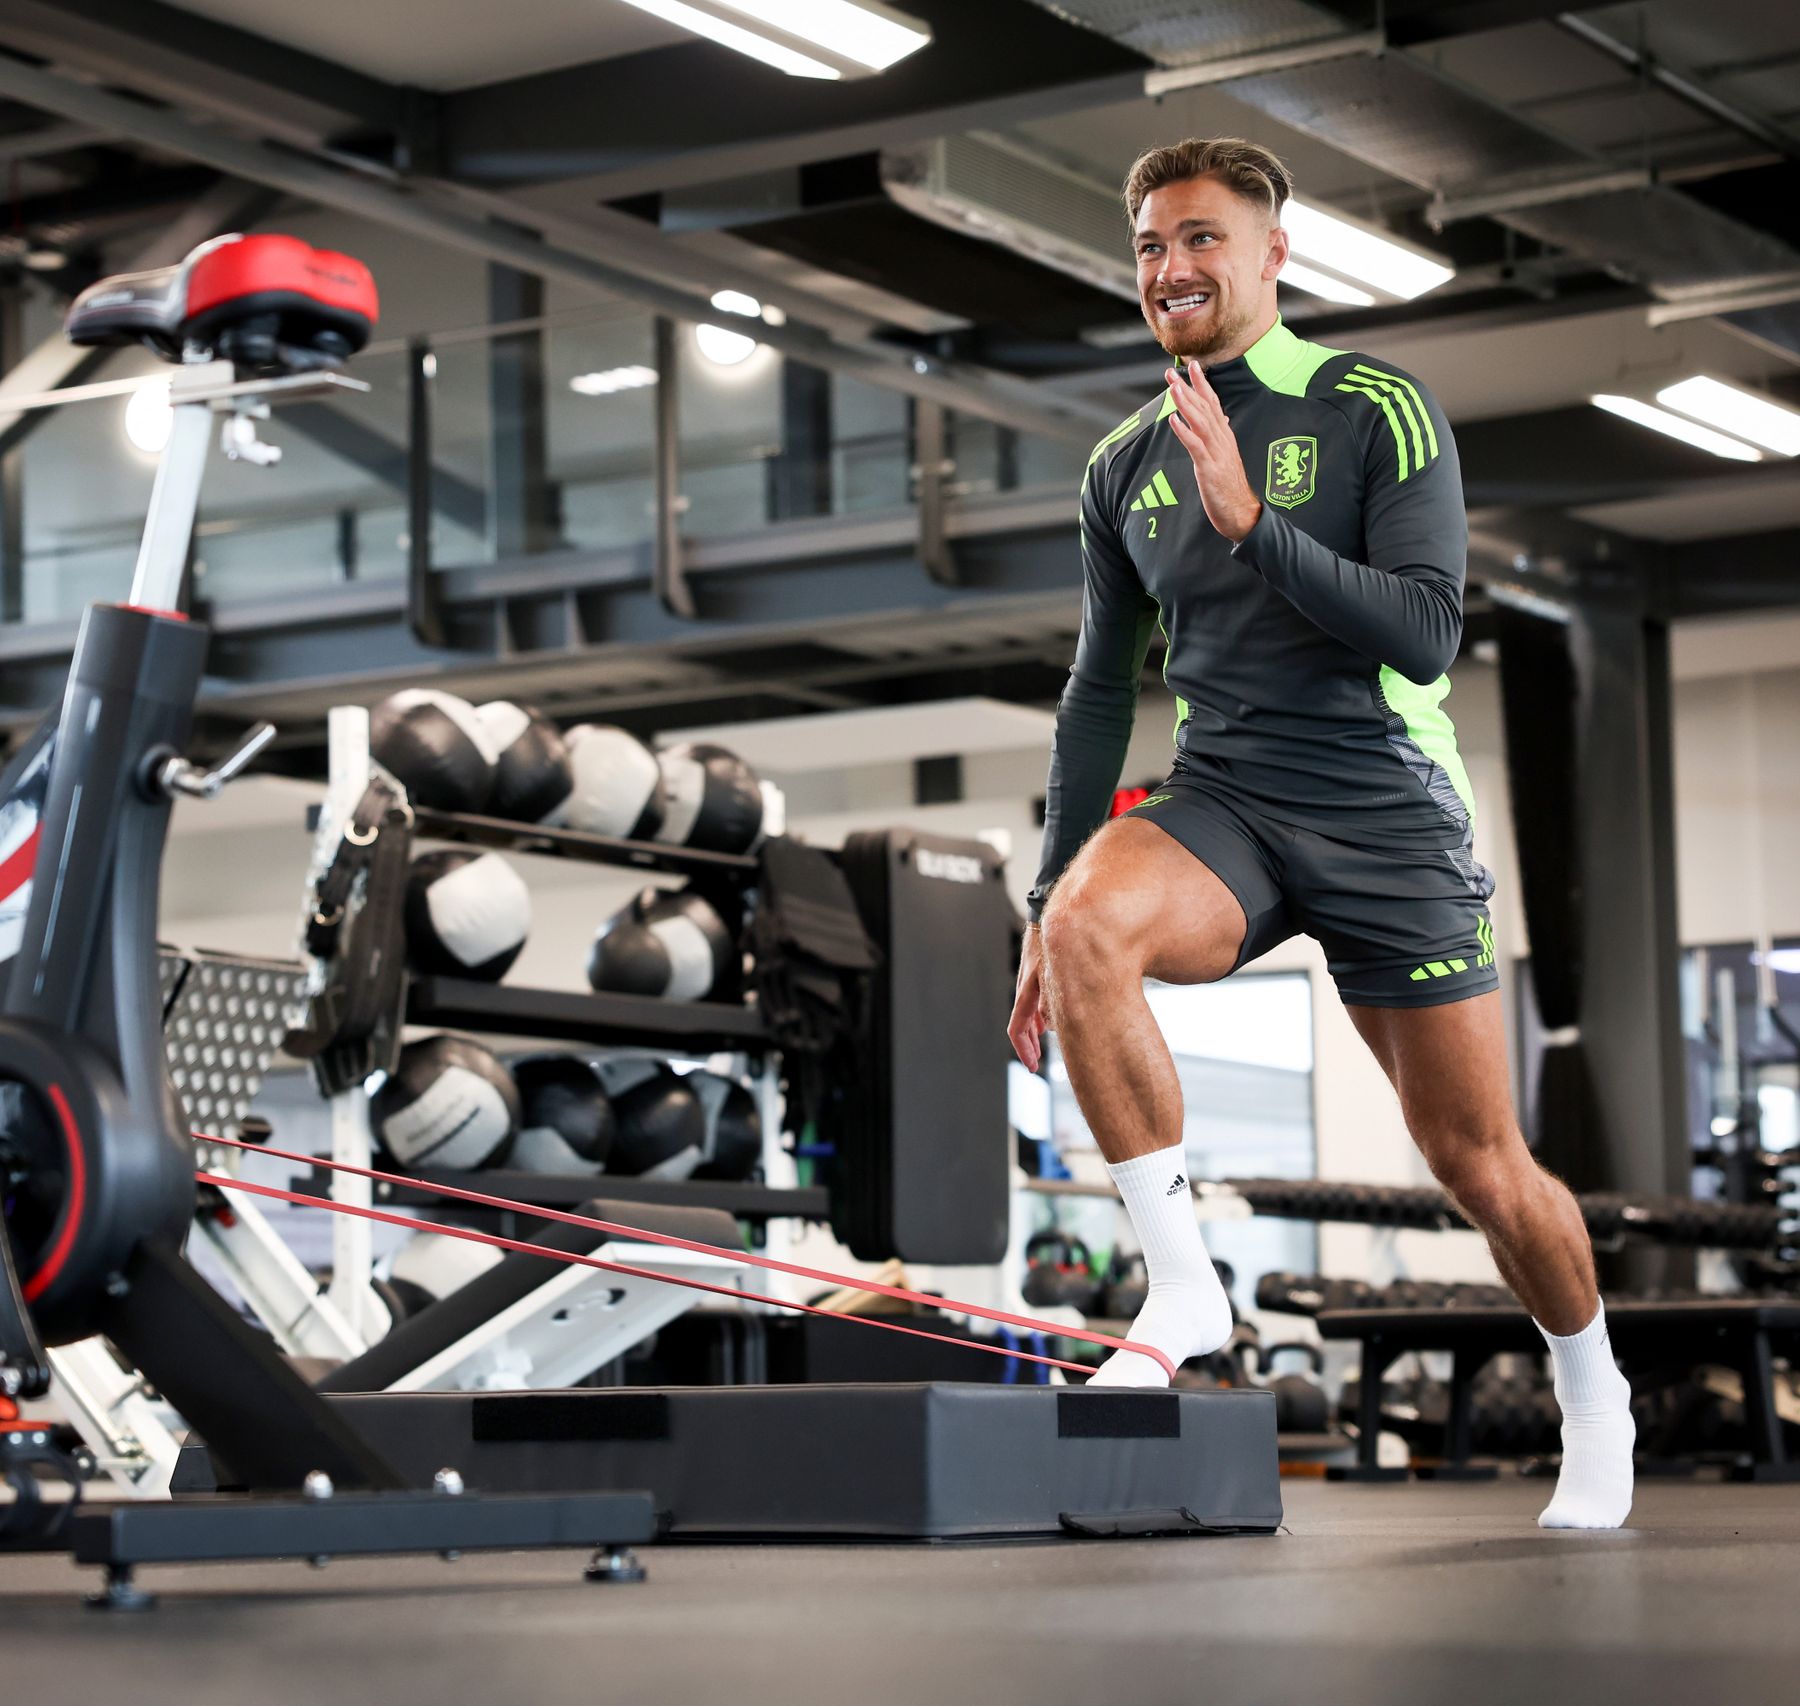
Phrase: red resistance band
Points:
(638, 1235)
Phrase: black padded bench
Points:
(1738, 1333)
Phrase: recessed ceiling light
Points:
(1733, 410)
(1689, 432)
(721, 344)
(148, 417)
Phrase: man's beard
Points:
(1200, 343)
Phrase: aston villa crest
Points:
(1293, 464)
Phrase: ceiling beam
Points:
(633, 125)
(171, 53)
(46, 139)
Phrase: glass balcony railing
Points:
(542, 438)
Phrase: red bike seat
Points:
(271, 303)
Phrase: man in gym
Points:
(1293, 517)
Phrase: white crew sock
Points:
(1187, 1313)
(1598, 1434)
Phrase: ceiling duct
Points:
(991, 188)
(1396, 113)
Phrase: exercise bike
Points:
(96, 1161)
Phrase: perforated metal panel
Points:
(1176, 32)
(223, 1022)
(1402, 117)
(1663, 236)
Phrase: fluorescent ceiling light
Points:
(1735, 411)
(726, 34)
(1660, 420)
(805, 38)
(1360, 252)
(613, 379)
(869, 35)
(1303, 277)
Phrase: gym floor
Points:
(1379, 1594)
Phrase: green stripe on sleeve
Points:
(1124, 427)
(1407, 384)
(1163, 489)
(1387, 408)
(1398, 393)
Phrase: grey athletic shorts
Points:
(1401, 927)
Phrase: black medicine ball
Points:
(448, 1103)
(434, 746)
(662, 1127)
(467, 915)
(733, 1147)
(671, 946)
(534, 775)
(616, 786)
(567, 1121)
(711, 799)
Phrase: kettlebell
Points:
(1059, 1271)
(1300, 1403)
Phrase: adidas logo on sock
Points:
(1179, 1185)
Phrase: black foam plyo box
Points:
(926, 1462)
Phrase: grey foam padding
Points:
(927, 1461)
(436, 1329)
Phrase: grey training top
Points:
(1308, 660)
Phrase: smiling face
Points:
(1206, 266)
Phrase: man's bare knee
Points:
(1486, 1170)
(1088, 926)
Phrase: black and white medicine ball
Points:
(566, 1121)
(534, 775)
(448, 1103)
(467, 915)
(616, 786)
(662, 1127)
(733, 1146)
(711, 799)
(434, 746)
(675, 947)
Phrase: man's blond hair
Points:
(1247, 169)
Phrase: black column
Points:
(1631, 955)
(1588, 707)
(524, 508)
(800, 477)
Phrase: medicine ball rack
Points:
(597, 1020)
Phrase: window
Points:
(1244, 1054)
